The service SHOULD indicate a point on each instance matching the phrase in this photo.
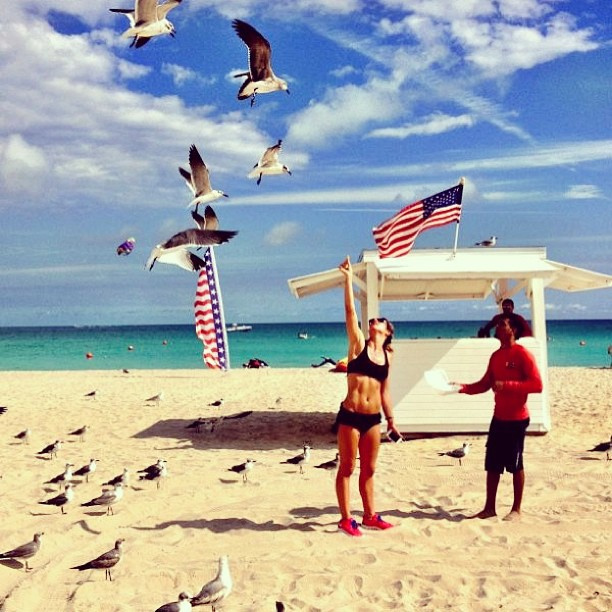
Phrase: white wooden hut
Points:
(464, 274)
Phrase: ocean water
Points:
(571, 343)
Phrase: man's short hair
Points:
(508, 301)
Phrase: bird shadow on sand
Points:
(13, 564)
(85, 527)
(432, 513)
(257, 431)
(225, 525)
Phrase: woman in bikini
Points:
(359, 417)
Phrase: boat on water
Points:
(238, 327)
(302, 335)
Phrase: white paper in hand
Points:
(438, 379)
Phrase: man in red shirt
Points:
(512, 374)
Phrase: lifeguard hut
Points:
(462, 274)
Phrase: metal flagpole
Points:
(461, 182)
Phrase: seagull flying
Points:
(217, 589)
(175, 249)
(51, 449)
(62, 499)
(260, 78)
(269, 164)
(209, 221)
(301, 459)
(603, 447)
(243, 468)
(105, 561)
(88, 469)
(108, 498)
(492, 241)
(458, 453)
(25, 551)
(198, 180)
(182, 605)
(148, 19)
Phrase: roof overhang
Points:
(441, 274)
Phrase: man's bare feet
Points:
(484, 514)
(512, 516)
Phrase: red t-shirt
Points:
(516, 366)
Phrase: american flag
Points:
(209, 320)
(395, 236)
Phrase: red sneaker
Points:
(350, 527)
(375, 522)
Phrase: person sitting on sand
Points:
(255, 363)
(359, 417)
(524, 329)
(512, 374)
(326, 360)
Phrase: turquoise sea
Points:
(571, 343)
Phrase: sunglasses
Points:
(377, 320)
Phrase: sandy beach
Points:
(279, 528)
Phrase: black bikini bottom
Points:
(359, 421)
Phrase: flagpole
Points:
(221, 311)
(461, 182)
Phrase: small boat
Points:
(302, 335)
(238, 327)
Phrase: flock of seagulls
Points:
(148, 19)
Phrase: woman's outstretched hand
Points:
(346, 268)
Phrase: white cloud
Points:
(437, 123)
(22, 166)
(583, 192)
(282, 233)
(343, 71)
(181, 75)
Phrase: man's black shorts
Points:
(505, 446)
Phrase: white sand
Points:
(279, 529)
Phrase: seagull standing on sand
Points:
(123, 478)
(93, 394)
(148, 19)
(156, 398)
(62, 499)
(182, 605)
(458, 453)
(329, 465)
(243, 468)
(155, 472)
(217, 589)
(51, 449)
(260, 78)
(105, 561)
(175, 250)
(603, 447)
(25, 551)
(269, 164)
(24, 436)
(301, 459)
(64, 477)
(217, 403)
(491, 242)
(81, 431)
(88, 469)
(198, 180)
(108, 498)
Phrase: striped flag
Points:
(209, 319)
(395, 236)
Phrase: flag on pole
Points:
(395, 236)
(209, 319)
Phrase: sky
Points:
(390, 101)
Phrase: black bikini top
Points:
(362, 364)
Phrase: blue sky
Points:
(391, 101)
